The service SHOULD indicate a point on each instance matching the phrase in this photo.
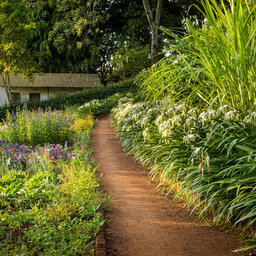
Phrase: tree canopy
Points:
(16, 28)
(84, 36)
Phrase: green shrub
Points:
(98, 107)
(128, 62)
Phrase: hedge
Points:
(61, 101)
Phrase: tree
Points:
(82, 36)
(66, 34)
(15, 30)
(124, 28)
(154, 23)
(75, 34)
(128, 62)
(44, 14)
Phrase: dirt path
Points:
(141, 221)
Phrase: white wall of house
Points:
(24, 93)
(45, 93)
(3, 96)
(49, 85)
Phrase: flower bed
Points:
(21, 155)
(49, 198)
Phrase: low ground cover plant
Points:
(206, 156)
(49, 198)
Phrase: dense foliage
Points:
(128, 61)
(65, 34)
(214, 63)
(16, 29)
(49, 197)
(195, 126)
(83, 36)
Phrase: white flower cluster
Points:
(165, 129)
(251, 118)
(162, 115)
(146, 134)
(207, 116)
(232, 115)
(90, 104)
(122, 110)
(189, 138)
(97, 104)
(171, 119)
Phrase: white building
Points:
(47, 85)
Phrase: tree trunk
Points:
(154, 45)
(154, 24)
(7, 85)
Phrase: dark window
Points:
(34, 96)
(15, 97)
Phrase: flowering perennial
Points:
(21, 154)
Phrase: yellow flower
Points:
(83, 123)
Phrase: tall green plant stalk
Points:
(226, 49)
(214, 63)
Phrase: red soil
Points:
(141, 222)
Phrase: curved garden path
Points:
(141, 222)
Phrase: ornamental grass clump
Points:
(38, 127)
(171, 76)
(213, 64)
(207, 156)
(226, 50)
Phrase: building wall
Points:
(3, 97)
(49, 85)
(45, 93)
